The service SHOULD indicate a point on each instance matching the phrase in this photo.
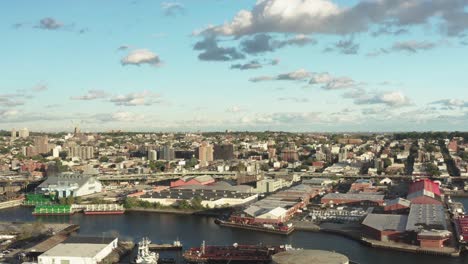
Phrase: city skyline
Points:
(212, 65)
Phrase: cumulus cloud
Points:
(261, 43)
(8, 113)
(10, 100)
(49, 23)
(141, 56)
(451, 104)
(144, 98)
(211, 51)
(91, 95)
(173, 8)
(324, 16)
(391, 98)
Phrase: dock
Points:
(167, 247)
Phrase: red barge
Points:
(250, 254)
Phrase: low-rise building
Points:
(79, 250)
(353, 199)
(70, 184)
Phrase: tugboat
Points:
(144, 255)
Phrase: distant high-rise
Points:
(343, 155)
(13, 134)
(42, 144)
(289, 153)
(223, 152)
(23, 133)
(152, 155)
(81, 152)
(167, 152)
(205, 153)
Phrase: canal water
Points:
(192, 230)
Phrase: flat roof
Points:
(355, 196)
(75, 250)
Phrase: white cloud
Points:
(137, 99)
(391, 98)
(141, 56)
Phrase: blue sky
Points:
(295, 65)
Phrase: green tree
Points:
(131, 202)
(103, 159)
(432, 169)
(119, 159)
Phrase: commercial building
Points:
(428, 222)
(272, 185)
(79, 250)
(223, 152)
(152, 155)
(353, 199)
(205, 154)
(70, 184)
(167, 152)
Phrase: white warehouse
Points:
(79, 250)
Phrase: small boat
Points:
(144, 255)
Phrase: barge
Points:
(248, 254)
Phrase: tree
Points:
(119, 159)
(103, 159)
(157, 165)
(387, 162)
(131, 202)
(191, 163)
(432, 169)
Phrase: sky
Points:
(242, 65)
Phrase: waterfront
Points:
(191, 230)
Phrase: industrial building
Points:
(397, 205)
(385, 227)
(79, 250)
(353, 199)
(186, 181)
(424, 192)
(70, 184)
(276, 208)
(213, 196)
